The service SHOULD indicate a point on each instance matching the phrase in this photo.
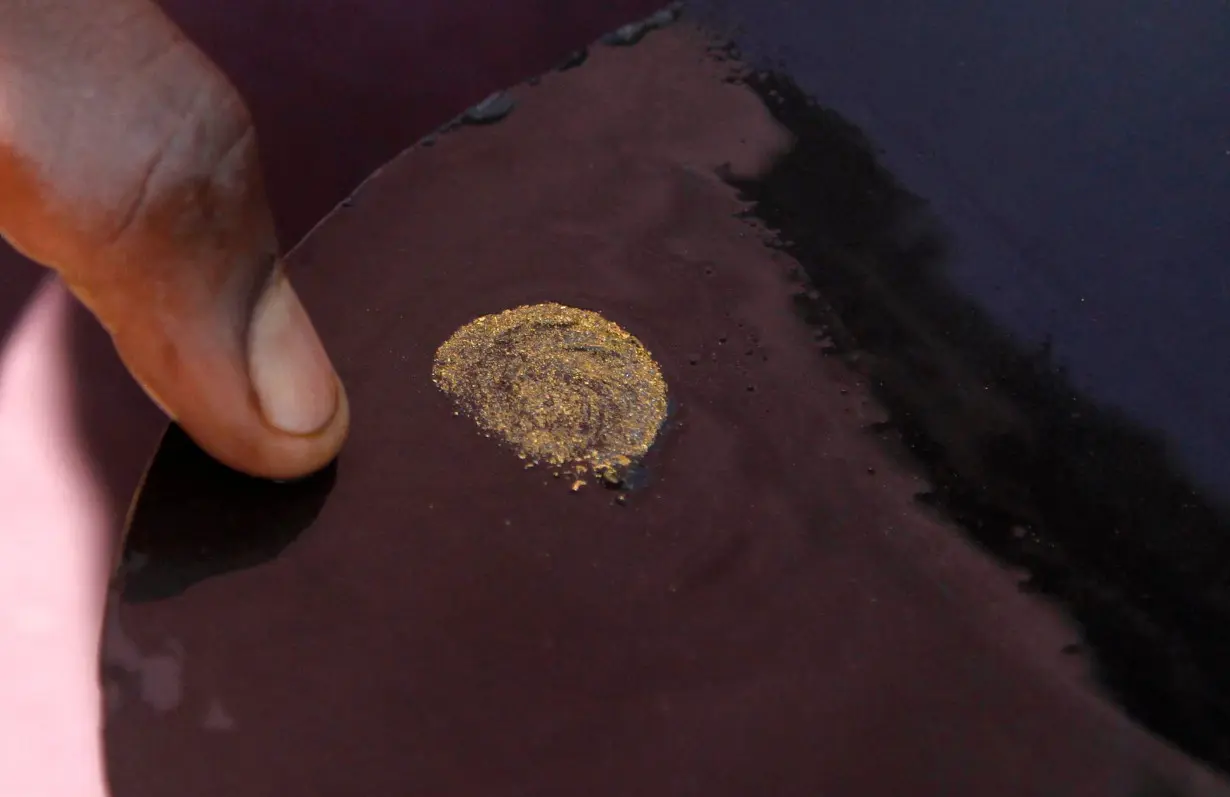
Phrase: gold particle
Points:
(561, 386)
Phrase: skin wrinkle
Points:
(129, 214)
(159, 147)
(150, 63)
(30, 23)
(118, 63)
(172, 210)
(196, 216)
(135, 175)
(144, 195)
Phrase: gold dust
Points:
(563, 387)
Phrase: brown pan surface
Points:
(768, 611)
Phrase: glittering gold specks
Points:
(564, 387)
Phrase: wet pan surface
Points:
(766, 611)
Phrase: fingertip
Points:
(261, 397)
(296, 455)
(253, 446)
(293, 378)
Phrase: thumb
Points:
(241, 370)
(205, 317)
(151, 206)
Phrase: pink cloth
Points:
(57, 530)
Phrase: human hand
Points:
(127, 165)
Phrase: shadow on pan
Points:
(1089, 503)
(196, 518)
